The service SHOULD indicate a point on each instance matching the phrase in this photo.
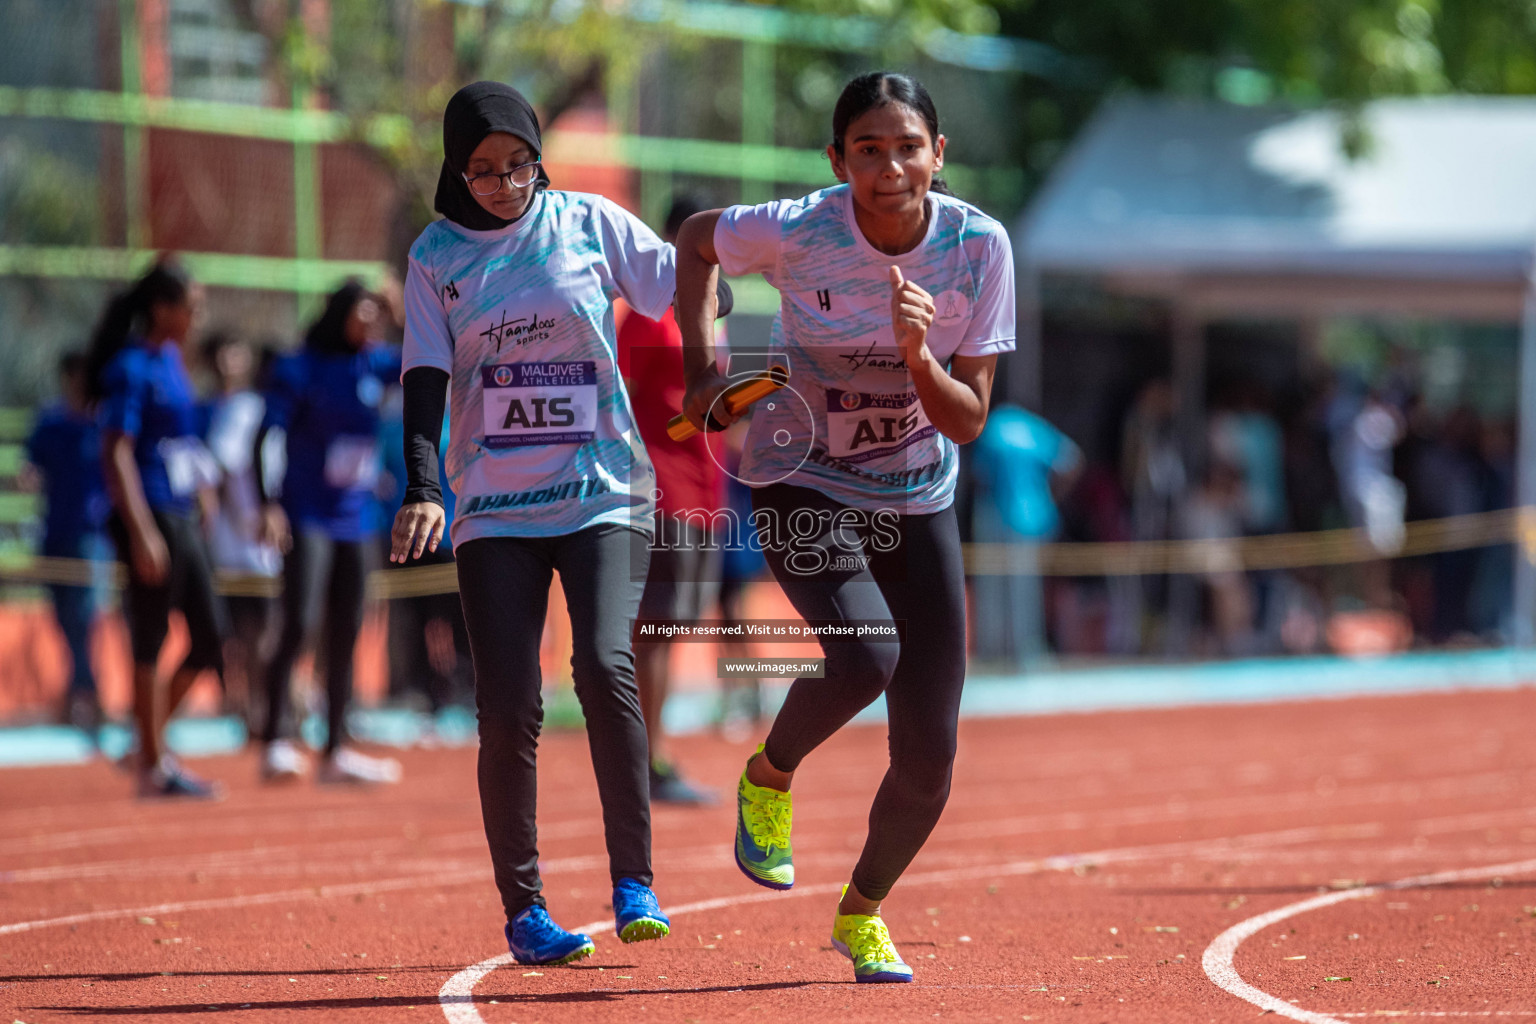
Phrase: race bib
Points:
(189, 465)
(351, 461)
(539, 403)
(862, 427)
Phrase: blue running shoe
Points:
(170, 781)
(535, 940)
(636, 915)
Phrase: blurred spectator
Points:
(1341, 450)
(1021, 463)
(1100, 616)
(1214, 515)
(234, 415)
(1247, 438)
(1150, 463)
(1153, 473)
(65, 449)
(1363, 430)
(1450, 478)
(1311, 486)
(1491, 608)
(326, 398)
(685, 559)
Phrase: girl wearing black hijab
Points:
(326, 398)
(510, 298)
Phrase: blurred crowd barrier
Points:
(1128, 558)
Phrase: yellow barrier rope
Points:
(1131, 558)
(1275, 551)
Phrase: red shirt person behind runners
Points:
(685, 560)
(895, 299)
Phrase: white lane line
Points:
(1508, 818)
(695, 859)
(1378, 1014)
(456, 997)
(449, 873)
(1267, 804)
(142, 867)
(233, 860)
(1218, 957)
(268, 819)
(256, 899)
(111, 868)
(707, 856)
(260, 823)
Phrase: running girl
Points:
(326, 399)
(511, 297)
(895, 300)
(157, 472)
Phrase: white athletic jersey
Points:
(542, 439)
(860, 436)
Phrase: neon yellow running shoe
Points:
(763, 818)
(865, 940)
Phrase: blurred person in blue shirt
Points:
(65, 450)
(161, 480)
(327, 398)
(1021, 463)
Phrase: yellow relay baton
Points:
(735, 398)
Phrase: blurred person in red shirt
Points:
(685, 561)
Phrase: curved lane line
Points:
(1218, 957)
(457, 999)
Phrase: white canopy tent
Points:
(1230, 211)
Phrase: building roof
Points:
(1446, 191)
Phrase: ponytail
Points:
(113, 330)
(127, 311)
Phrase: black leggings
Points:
(188, 586)
(321, 577)
(920, 584)
(504, 587)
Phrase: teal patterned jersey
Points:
(852, 426)
(542, 439)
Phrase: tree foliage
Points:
(1304, 52)
(407, 56)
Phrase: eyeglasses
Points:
(520, 176)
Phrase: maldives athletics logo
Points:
(950, 307)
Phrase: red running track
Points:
(1106, 867)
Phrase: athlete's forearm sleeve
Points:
(426, 393)
(259, 464)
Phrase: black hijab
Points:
(474, 112)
